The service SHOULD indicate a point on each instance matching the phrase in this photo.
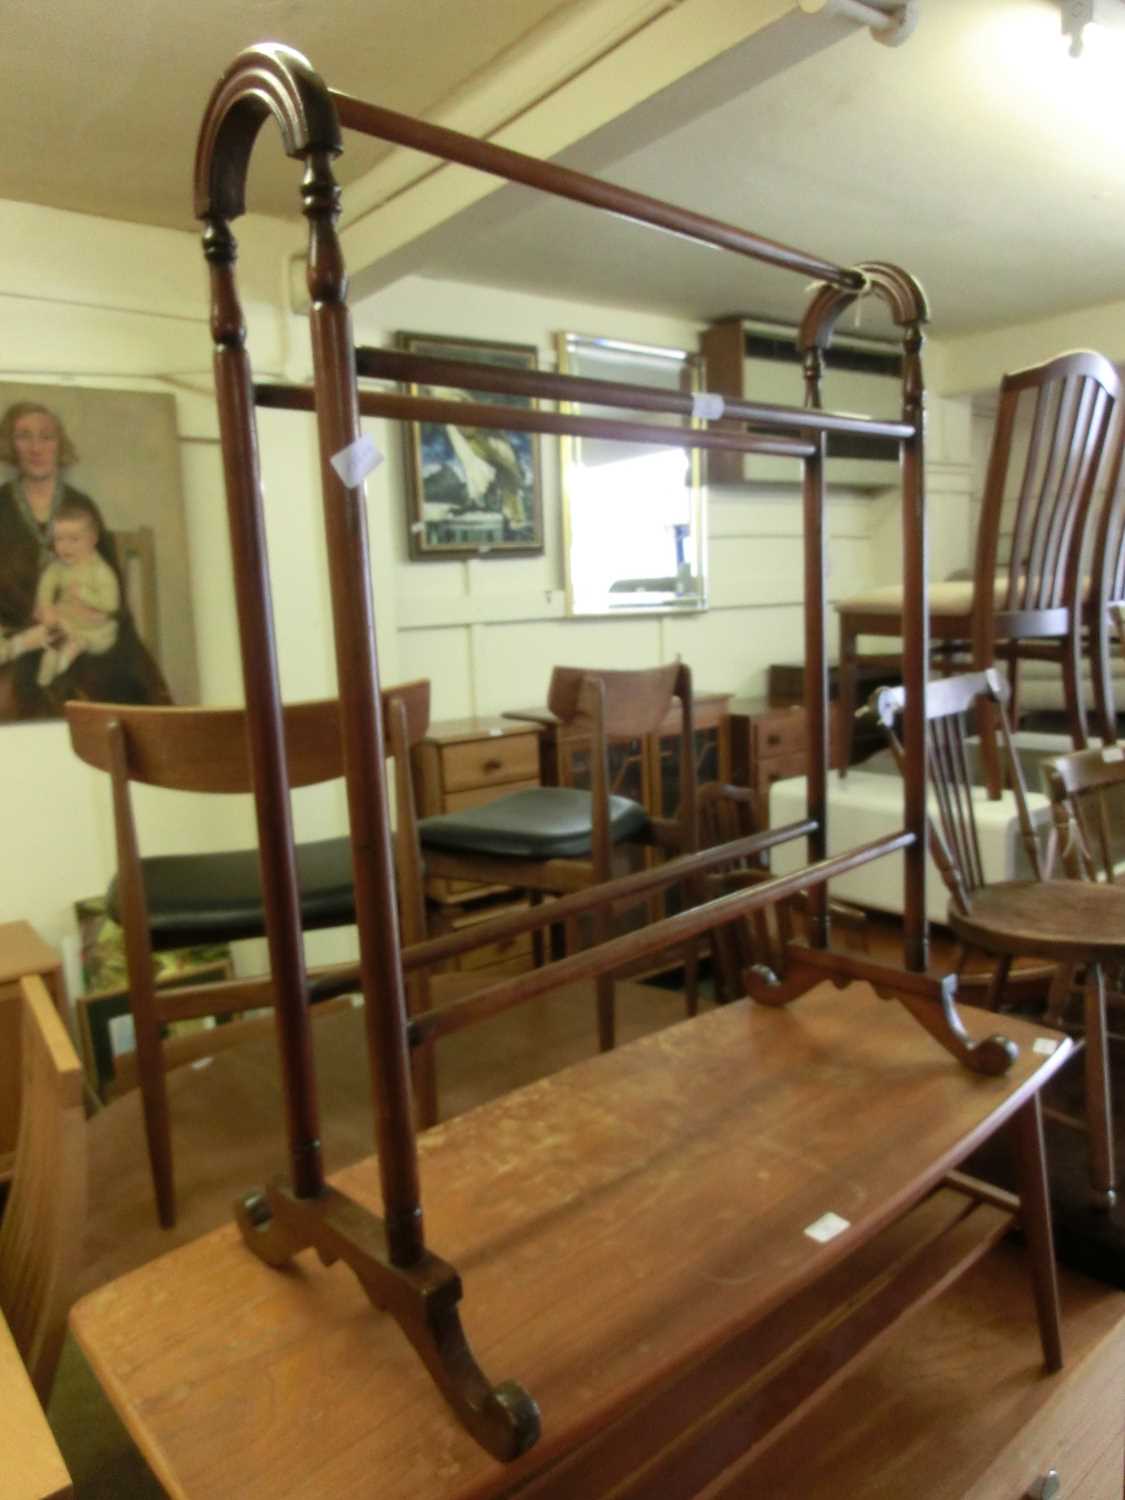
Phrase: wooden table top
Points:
(609, 1222)
(31, 1466)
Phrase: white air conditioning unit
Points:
(756, 360)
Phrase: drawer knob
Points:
(493, 765)
(1047, 1487)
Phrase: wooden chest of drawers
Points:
(22, 952)
(465, 763)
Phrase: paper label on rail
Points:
(1113, 752)
(707, 406)
(356, 461)
(826, 1228)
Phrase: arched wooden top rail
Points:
(897, 288)
(269, 79)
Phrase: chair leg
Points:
(1035, 1214)
(1099, 1111)
(607, 1013)
(847, 694)
(157, 1121)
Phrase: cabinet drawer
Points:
(778, 734)
(488, 762)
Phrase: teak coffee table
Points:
(672, 1246)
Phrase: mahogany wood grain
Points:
(274, 81)
(613, 1259)
(420, 369)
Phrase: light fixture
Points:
(1078, 14)
(889, 21)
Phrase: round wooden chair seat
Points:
(1054, 919)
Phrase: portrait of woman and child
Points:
(66, 629)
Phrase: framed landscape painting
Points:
(471, 491)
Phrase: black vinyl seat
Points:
(545, 822)
(217, 898)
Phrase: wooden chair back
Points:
(954, 842)
(1086, 789)
(1106, 600)
(201, 750)
(601, 706)
(41, 1231)
(1037, 493)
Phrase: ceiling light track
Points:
(1078, 14)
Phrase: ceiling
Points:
(978, 154)
(102, 102)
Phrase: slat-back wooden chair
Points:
(1065, 922)
(41, 1231)
(173, 901)
(1105, 605)
(1030, 537)
(558, 839)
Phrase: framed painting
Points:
(471, 491)
(95, 596)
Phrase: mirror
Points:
(632, 513)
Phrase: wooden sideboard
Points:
(22, 952)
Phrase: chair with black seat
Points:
(1050, 432)
(558, 839)
(1066, 923)
(174, 901)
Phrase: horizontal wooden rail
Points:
(425, 369)
(563, 182)
(632, 946)
(610, 892)
(530, 419)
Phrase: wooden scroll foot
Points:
(931, 999)
(423, 1298)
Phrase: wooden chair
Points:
(1065, 922)
(1047, 445)
(173, 901)
(559, 839)
(1105, 604)
(41, 1231)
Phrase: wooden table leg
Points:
(1031, 1169)
(1099, 1114)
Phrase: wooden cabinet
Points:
(465, 763)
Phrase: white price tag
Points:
(1044, 1045)
(826, 1228)
(707, 406)
(356, 461)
